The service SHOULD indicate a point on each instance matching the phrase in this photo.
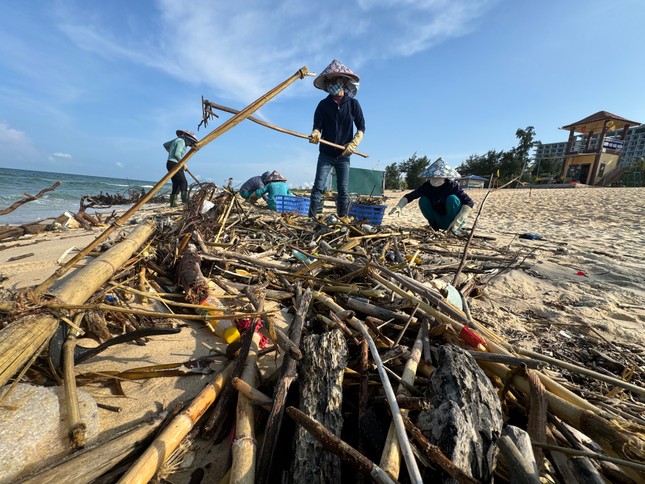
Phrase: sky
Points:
(96, 88)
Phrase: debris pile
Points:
(345, 354)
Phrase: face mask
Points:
(335, 89)
(437, 182)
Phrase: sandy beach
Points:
(587, 270)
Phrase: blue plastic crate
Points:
(285, 204)
(372, 213)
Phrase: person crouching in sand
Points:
(441, 200)
(275, 185)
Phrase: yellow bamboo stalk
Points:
(244, 445)
(165, 444)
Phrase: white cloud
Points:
(62, 155)
(119, 164)
(240, 53)
(15, 145)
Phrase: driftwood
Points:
(321, 398)
(287, 376)
(29, 198)
(465, 420)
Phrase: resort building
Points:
(598, 145)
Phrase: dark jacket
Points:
(438, 195)
(252, 184)
(336, 122)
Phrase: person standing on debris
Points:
(275, 185)
(441, 200)
(334, 121)
(176, 149)
(248, 188)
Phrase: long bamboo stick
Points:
(223, 128)
(408, 455)
(148, 464)
(276, 128)
(391, 456)
(244, 445)
(76, 425)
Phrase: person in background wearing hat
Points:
(441, 200)
(275, 185)
(248, 188)
(176, 149)
(334, 121)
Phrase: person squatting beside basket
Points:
(248, 188)
(334, 121)
(441, 200)
(176, 149)
(275, 185)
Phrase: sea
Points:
(15, 183)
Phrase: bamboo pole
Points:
(255, 396)
(276, 128)
(223, 128)
(391, 456)
(154, 456)
(244, 446)
(76, 425)
(21, 339)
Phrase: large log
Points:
(321, 398)
(465, 419)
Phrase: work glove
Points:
(397, 210)
(460, 219)
(352, 145)
(314, 137)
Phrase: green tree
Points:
(392, 177)
(479, 165)
(413, 167)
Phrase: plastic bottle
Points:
(302, 257)
(223, 328)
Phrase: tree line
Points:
(505, 165)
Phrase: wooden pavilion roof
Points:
(596, 121)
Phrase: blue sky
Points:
(95, 88)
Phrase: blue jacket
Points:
(176, 149)
(336, 122)
(272, 189)
(438, 195)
